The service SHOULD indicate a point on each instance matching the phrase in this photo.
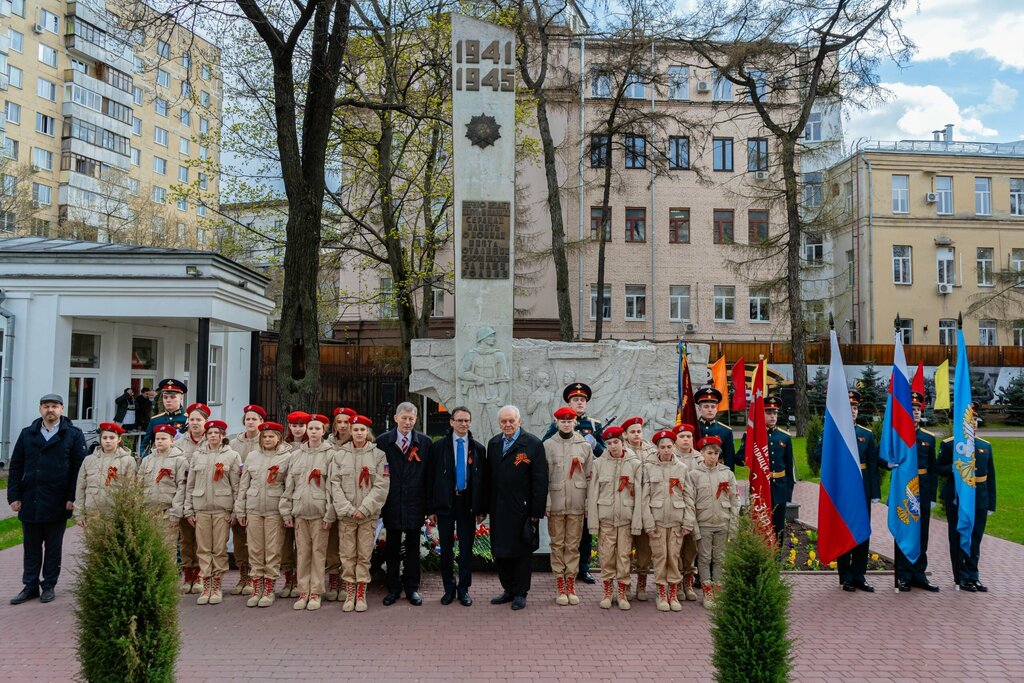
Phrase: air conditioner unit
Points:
(35, 204)
(761, 175)
(945, 289)
(38, 28)
(691, 327)
(703, 86)
(931, 197)
(36, 169)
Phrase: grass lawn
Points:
(10, 532)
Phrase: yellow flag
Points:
(942, 386)
(720, 382)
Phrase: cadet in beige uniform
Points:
(645, 452)
(339, 435)
(243, 444)
(359, 488)
(164, 474)
(101, 472)
(691, 458)
(209, 504)
(293, 439)
(570, 466)
(191, 441)
(615, 504)
(258, 510)
(671, 511)
(717, 508)
(306, 506)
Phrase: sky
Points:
(968, 70)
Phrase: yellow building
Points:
(932, 227)
(106, 129)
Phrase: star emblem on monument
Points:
(483, 131)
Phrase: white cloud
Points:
(913, 112)
(942, 28)
(1001, 98)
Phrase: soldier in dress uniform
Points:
(914, 575)
(172, 393)
(707, 399)
(577, 396)
(780, 460)
(965, 566)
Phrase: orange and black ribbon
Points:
(272, 474)
(218, 472)
(364, 477)
(414, 454)
(576, 465)
(315, 474)
(164, 472)
(723, 487)
(624, 483)
(673, 483)
(111, 474)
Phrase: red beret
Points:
(216, 424)
(663, 434)
(685, 428)
(319, 418)
(201, 407)
(165, 429)
(626, 424)
(348, 411)
(253, 408)
(709, 441)
(298, 418)
(270, 426)
(362, 420)
(612, 432)
(565, 413)
(111, 427)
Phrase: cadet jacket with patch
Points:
(715, 501)
(307, 487)
(616, 492)
(263, 483)
(243, 445)
(360, 481)
(570, 467)
(213, 479)
(165, 476)
(188, 446)
(671, 494)
(98, 476)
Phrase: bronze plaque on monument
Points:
(485, 239)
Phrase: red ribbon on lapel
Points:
(673, 483)
(218, 472)
(164, 472)
(624, 483)
(364, 476)
(723, 487)
(521, 458)
(576, 465)
(414, 454)
(315, 474)
(272, 474)
(111, 474)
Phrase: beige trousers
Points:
(565, 532)
(311, 543)
(614, 544)
(689, 555)
(666, 549)
(264, 534)
(711, 552)
(288, 549)
(643, 553)
(241, 543)
(355, 541)
(169, 533)
(333, 552)
(189, 559)
(212, 542)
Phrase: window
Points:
(204, 72)
(759, 306)
(15, 76)
(1017, 196)
(50, 21)
(679, 226)
(204, 152)
(634, 87)
(183, 174)
(757, 222)
(1016, 255)
(47, 55)
(901, 265)
(12, 111)
(8, 185)
(944, 194)
(722, 88)
(163, 48)
(636, 147)
(119, 80)
(437, 302)
(161, 107)
(202, 181)
(134, 187)
(849, 268)
(46, 125)
(160, 165)
(181, 236)
(7, 222)
(182, 204)
(201, 210)
(907, 330)
(163, 78)
(678, 83)
(636, 225)
(596, 215)
(186, 117)
(46, 89)
(136, 125)
(86, 98)
(983, 196)
(85, 351)
(722, 148)
(946, 265)
(214, 381)
(18, 7)
(987, 332)
(140, 64)
(678, 303)
(813, 191)
(186, 61)
(760, 80)
(600, 83)
(600, 148)
(814, 250)
(42, 194)
(183, 146)
(42, 158)
(204, 126)
(387, 299)
(117, 111)
(986, 264)
(606, 303)
(723, 226)
(137, 95)
(11, 148)
(757, 154)
(136, 156)
(947, 331)
(204, 98)
(17, 40)
(725, 304)
(678, 152)
(901, 194)
(636, 302)
(159, 195)
(160, 136)
(812, 131)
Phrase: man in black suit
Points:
(408, 454)
(517, 488)
(455, 500)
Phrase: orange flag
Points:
(720, 381)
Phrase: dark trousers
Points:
(853, 565)
(779, 520)
(514, 574)
(965, 565)
(42, 542)
(458, 521)
(915, 572)
(400, 542)
(586, 548)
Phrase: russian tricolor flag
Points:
(844, 520)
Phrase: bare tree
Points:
(16, 205)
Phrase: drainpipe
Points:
(579, 186)
(6, 380)
(871, 258)
(653, 308)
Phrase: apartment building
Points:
(111, 133)
(932, 227)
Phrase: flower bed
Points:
(800, 552)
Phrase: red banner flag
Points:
(739, 385)
(758, 462)
(917, 385)
(686, 411)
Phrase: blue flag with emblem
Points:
(963, 444)
(898, 447)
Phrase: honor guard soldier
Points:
(172, 393)
(965, 566)
(780, 457)
(914, 575)
(707, 399)
(577, 396)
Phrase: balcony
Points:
(98, 86)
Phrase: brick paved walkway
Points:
(840, 636)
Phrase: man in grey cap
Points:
(41, 489)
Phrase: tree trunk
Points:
(605, 219)
(789, 160)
